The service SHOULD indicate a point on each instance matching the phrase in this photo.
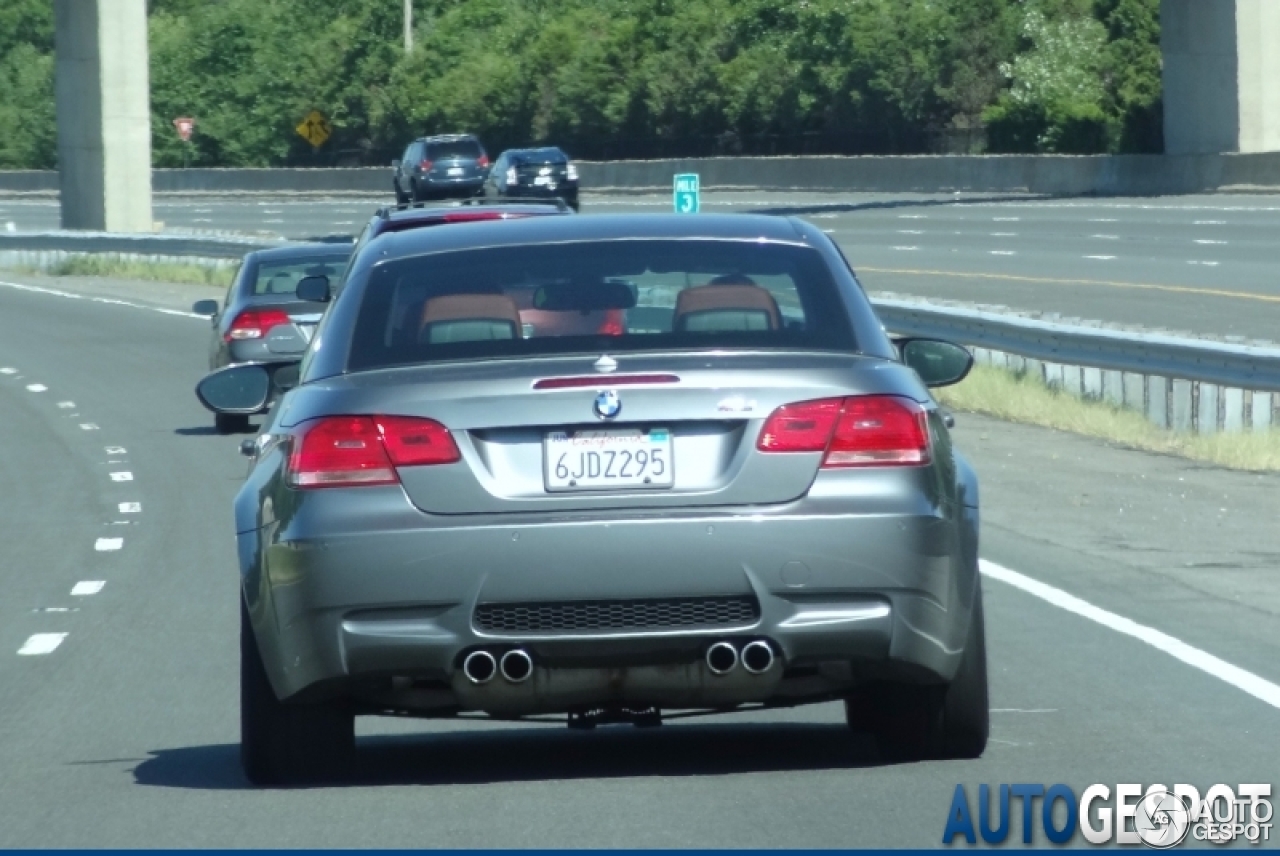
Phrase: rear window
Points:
(541, 156)
(614, 296)
(281, 277)
(457, 149)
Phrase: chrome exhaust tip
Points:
(516, 666)
(479, 667)
(757, 657)
(722, 658)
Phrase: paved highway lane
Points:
(124, 733)
(1203, 264)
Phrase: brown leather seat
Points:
(469, 318)
(720, 306)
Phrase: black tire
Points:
(230, 423)
(415, 195)
(402, 198)
(288, 744)
(911, 722)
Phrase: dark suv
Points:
(442, 167)
(545, 172)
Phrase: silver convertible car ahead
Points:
(738, 494)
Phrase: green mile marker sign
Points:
(687, 193)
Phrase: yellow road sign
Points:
(315, 129)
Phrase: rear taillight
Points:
(512, 176)
(860, 431)
(571, 172)
(613, 324)
(425, 165)
(354, 451)
(482, 161)
(255, 323)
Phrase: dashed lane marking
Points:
(89, 426)
(67, 405)
(1204, 661)
(1210, 223)
(122, 476)
(1107, 283)
(116, 450)
(84, 588)
(1106, 237)
(35, 289)
(108, 545)
(130, 507)
(1207, 241)
(1206, 264)
(1004, 234)
(8, 370)
(41, 643)
(1101, 258)
(1003, 253)
(1005, 219)
(904, 248)
(37, 387)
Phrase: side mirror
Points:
(207, 308)
(937, 362)
(286, 340)
(395, 164)
(242, 389)
(313, 289)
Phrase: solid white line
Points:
(89, 426)
(110, 300)
(84, 588)
(37, 387)
(130, 507)
(1176, 648)
(108, 545)
(41, 643)
(122, 476)
(1101, 258)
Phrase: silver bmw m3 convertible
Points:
(613, 468)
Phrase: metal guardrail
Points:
(1228, 364)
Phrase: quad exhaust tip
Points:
(722, 658)
(479, 667)
(757, 657)
(516, 666)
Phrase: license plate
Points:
(617, 459)
(542, 180)
(456, 170)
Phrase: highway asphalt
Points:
(123, 733)
(1199, 264)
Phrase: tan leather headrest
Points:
(707, 298)
(470, 307)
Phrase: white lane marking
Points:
(904, 248)
(1102, 220)
(203, 211)
(910, 232)
(1176, 648)
(912, 217)
(88, 426)
(110, 300)
(201, 220)
(828, 231)
(67, 405)
(37, 387)
(1206, 264)
(8, 371)
(1106, 237)
(1004, 234)
(273, 221)
(130, 507)
(1101, 258)
(272, 210)
(41, 643)
(122, 476)
(108, 545)
(84, 588)
(1003, 253)
(116, 450)
(1006, 219)
(1210, 223)
(1206, 241)
(344, 223)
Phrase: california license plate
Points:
(542, 180)
(456, 170)
(608, 459)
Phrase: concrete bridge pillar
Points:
(1221, 75)
(104, 114)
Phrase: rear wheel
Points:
(912, 722)
(282, 744)
(401, 197)
(230, 423)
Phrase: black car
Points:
(262, 297)
(448, 166)
(544, 172)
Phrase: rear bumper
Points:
(841, 598)
(567, 191)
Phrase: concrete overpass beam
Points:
(104, 114)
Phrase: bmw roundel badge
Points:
(607, 404)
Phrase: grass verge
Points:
(1020, 398)
(152, 271)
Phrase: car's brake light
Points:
(472, 216)
(613, 324)
(425, 165)
(859, 431)
(354, 451)
(512, 176)
(255, 323)
(571, 172)
(482, 161)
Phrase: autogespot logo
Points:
(1158, 817)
